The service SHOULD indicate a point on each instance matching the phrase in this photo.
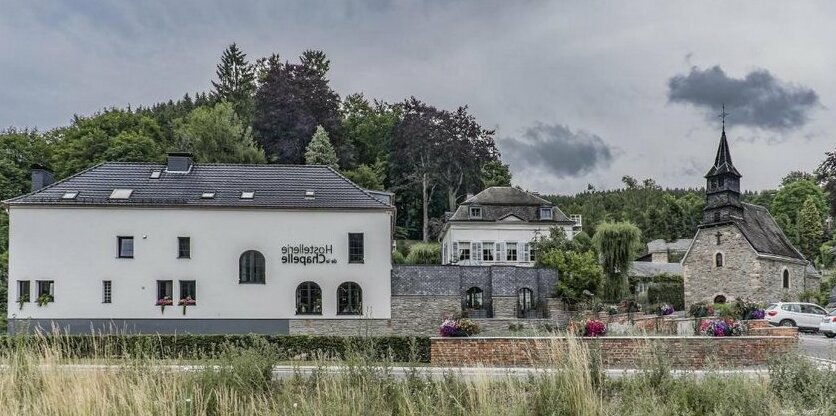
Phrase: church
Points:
(739, 251)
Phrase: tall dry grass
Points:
(40, 378)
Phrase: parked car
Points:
(827, 326)
(805, 316)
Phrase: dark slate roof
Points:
(764, 234)
(650, 269)
(275, 186)
(660, 245)
(501, 202)
(723, 162)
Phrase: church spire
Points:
(722, 190)
(723, 161)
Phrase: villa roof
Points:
(501, 202)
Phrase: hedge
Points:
(671, 293)
(304, 347)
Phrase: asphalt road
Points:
(818, 346)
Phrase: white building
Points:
(245, 247)
(498, 225)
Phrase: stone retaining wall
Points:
(691, 352)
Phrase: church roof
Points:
(723, 161)
(764, 234)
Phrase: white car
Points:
(806, 316)
(827, 326)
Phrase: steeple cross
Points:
(723, 115)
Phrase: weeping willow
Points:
(616, 243)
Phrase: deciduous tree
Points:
(217, 135)
(617, 244)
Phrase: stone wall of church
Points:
(742, 275)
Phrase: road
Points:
(818, 346)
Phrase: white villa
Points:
(497, 227)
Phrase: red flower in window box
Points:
(187, 301)
(162, 303)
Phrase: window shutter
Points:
(525, 256)
(455, 254)
(500, 251)
(477, 251)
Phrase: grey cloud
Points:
(756, 100)
(558, 150)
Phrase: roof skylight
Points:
(155, 174)
(247, 195)
(121, 193)
(207, 195)
(309, 194)
(69, 195)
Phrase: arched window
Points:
(718, 259)
(473, 298)
(308, 299)
(719, 299)
(251, 267)
(349, 299)
(786, 279)
(525, 300)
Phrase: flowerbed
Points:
(462, 327)
(721, 328)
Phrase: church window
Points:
(718, 259)
(717, 216)
(786, 279)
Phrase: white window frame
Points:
(508, 245)
(548, 210)
(464, 245)
(526, 252)
(471, 215)
(489, 247)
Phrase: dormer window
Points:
(476, 213)
(546, 213)
(121, 193)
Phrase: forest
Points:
(272, 110)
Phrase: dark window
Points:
(188, 289)
(23, 294)
(251, 267)
(107, 291)
(786, 279)
(349, 299)
(525, 300)
(511, 251)
(165, 290)
(716, 217)
(719, 299)
(308, 299)
(125, 247)
(184, 247)
(473, 298)
(46, 290)
(355, 247)
(718, 259)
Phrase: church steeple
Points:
(722, 188)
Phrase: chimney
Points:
(179, 162)
(41, 177)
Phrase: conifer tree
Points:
(236, 81)
(810, 230)
(320, 151)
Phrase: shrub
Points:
(663, 309)
(701, 310)
(424, 253)
(725, 310)
(672, 293)
(398, 258)
(744, 309)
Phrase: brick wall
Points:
(615, 352)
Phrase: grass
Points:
(34, 380)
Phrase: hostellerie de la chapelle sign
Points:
(306, 254)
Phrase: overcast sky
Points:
(579, 92)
